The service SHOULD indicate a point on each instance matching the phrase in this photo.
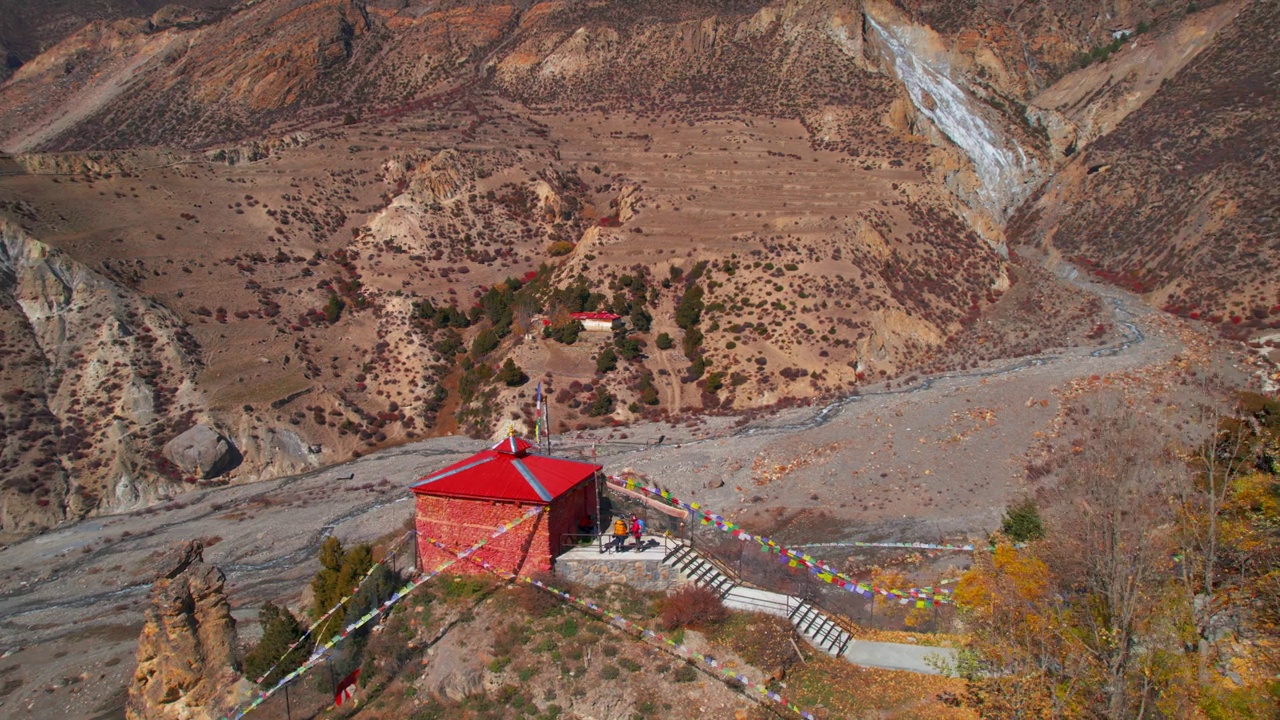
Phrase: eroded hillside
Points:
(28, 29)
(96, 375)
(323, 227)
(1180, 201)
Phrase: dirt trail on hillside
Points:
(938, 458)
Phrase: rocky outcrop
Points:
(96, 163)
(1004, 171)
(201, 451)
(428, 178)
(256, 150)
(186, 653)
(273, 452)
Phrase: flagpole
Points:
(537, 415)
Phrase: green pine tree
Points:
(1022, 521)
(511, 374)
(333, 309)
(603, 404)
(689, 310)
(486, 340)
(280, 630)
(627, 348)
(641, 320)
(607, 361)
(340, 570)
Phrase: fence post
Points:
(288, 712)
(601, 486)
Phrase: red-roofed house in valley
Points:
(599, 321)
(464, 503)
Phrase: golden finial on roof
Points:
(511, 430)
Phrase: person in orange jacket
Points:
(619, 535)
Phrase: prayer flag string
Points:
(924, 597)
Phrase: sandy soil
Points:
(940, 459)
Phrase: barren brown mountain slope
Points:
(805, 289)
(369, 222)
(27, 29)
(1180, 201)
(274, 61)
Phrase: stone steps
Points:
(699, 570)
(820, 629)
(811, 622)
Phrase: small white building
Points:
(598, 321)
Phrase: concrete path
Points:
(896, 656)
(754, 600)
(654, 549)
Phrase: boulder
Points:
(186, 652)
(462, 683)
(202, 452)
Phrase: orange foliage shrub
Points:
(691, 605)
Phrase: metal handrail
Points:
(845, 623)
(709, 556)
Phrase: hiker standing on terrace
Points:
(619, 535)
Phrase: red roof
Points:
(507, 471)
(595, 316)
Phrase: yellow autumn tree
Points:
(1155, 592)
(1005, 600)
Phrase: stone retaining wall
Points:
(642, 574)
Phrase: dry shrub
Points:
(535, 601)
(509, 637)
(691, 606)
(764, 641)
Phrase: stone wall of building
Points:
(642, 574)
(460, 523)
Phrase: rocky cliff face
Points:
(98, 376)
(186, 654)
(1000, 171)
